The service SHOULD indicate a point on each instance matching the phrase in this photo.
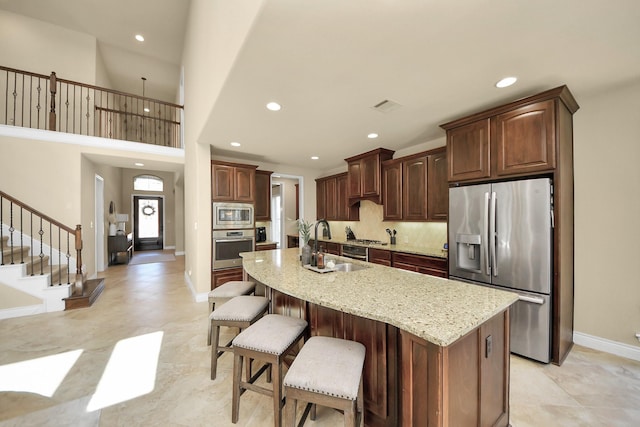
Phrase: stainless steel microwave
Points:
(228, 215)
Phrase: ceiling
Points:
(329, 61)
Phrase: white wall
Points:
(32, 45)
(607, 214)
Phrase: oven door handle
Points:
(232, 240)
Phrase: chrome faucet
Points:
(314, 261)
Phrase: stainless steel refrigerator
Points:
(501, 235)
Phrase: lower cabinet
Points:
(219, 277)
(266, 247)
(420, 263)
(464, 384)
(380, 256)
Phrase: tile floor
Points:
(147, 319)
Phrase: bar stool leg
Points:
(237, 375)
(211, 305)
(290, 413)
(277, 392)
(214, 337)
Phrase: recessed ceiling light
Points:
(314, 157)
(372, 135)
(146, 109)
(139, 164)
(139, 37)
(507, 81)
(274, 106)
(235, 144)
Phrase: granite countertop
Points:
(400, 247)
(437, 310)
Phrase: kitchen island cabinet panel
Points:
(472, 376)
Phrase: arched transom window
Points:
(148, 183)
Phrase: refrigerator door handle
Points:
(492, 234)
(486, 234)
(532, 300)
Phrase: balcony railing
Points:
(47, 102)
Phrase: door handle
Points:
(533, 300)
(492, 234)
(485, 234)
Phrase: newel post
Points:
(79, 249)
(53, 88)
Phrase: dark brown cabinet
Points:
(232, 182)
(438, 187)
(364, 175)
(380, 256)
(331, 199)
(219, 277)
(263, 196)
(415, 187)
(517, 139)
(392, 190)
(420, 264)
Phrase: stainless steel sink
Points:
(347, 267)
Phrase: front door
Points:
(148, 219)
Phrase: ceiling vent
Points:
(386, 106)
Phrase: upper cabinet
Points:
(415, 187)
(331, 199)
(512, 140)
(232, 182)
(364, 175)
(263, 196)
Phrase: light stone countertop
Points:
(400, 247)
(437, 310)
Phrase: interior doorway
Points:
(286, 207)
(99, 223)
(148, 223)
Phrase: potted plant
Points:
(304, 229)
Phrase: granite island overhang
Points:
(442, 346)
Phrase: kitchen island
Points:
(437, 349)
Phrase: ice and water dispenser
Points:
(468, 252)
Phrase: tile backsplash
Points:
(371, 226)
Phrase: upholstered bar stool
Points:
(240, 312)
(224, 293)
(269, 340)
(327, 372)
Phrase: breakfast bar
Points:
(437, 350)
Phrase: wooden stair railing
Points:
(51, 238)
(85, 109)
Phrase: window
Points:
(148, 183)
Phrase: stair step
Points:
(90, 293)
(5, 254)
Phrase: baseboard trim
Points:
(608, 346)
(198, 297)
(179, 253)
(26, 310)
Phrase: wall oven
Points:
(227, 246)
(228, 215)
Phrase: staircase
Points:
(37, 271)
